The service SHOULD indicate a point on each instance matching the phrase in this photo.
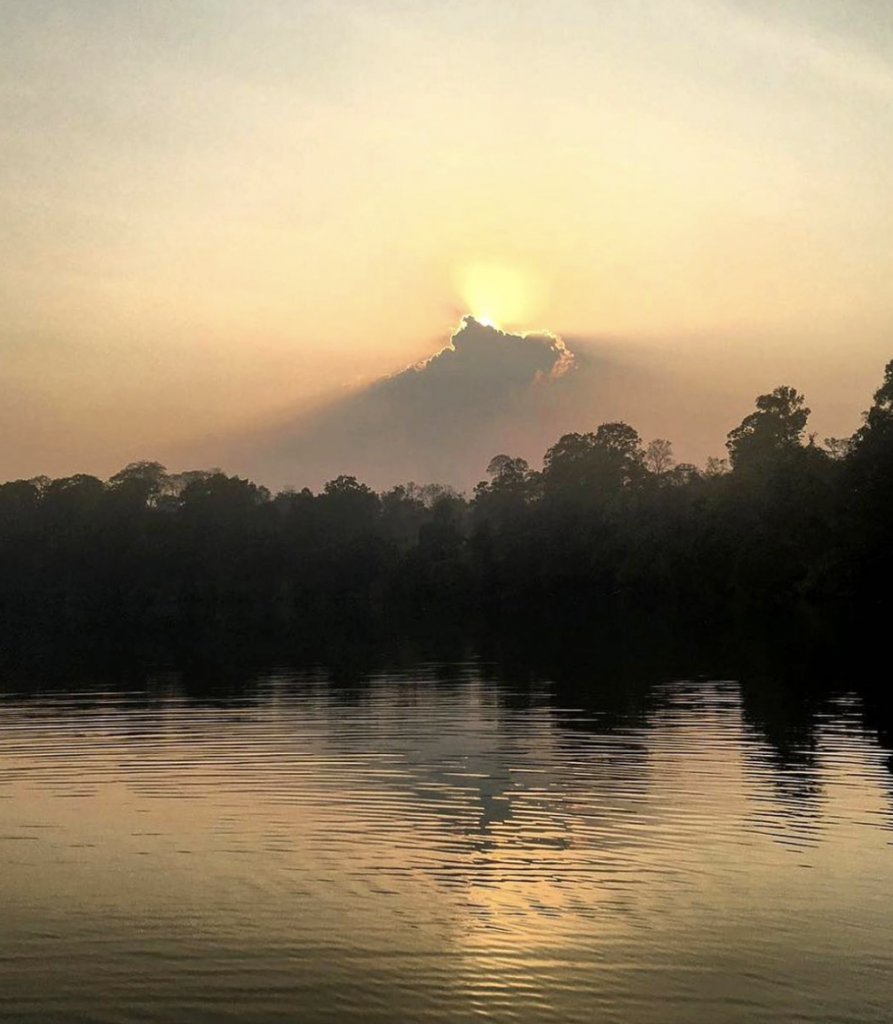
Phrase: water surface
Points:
(431, 845)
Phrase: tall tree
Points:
(776, 427)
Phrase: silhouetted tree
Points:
(776, 428)
(139, 484)
(594, 465)
(715, 467)
(659, 456)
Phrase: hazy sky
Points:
(215, 209)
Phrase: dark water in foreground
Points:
(431, 846)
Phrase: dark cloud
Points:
(487, 392)
(482, 356)
(439, 420)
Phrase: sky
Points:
(217, 212)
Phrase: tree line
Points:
(608, 524)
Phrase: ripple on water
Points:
(434, 846)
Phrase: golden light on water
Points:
(500, 295)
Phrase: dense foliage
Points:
(607, 523)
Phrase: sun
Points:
(499, 295)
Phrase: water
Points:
(433, 846)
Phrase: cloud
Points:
(489, 392)
(441, 419)
(488, 354)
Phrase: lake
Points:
(438, 844)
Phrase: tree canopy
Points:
(609, 521)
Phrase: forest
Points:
(610, 525)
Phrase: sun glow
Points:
(498, 295)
